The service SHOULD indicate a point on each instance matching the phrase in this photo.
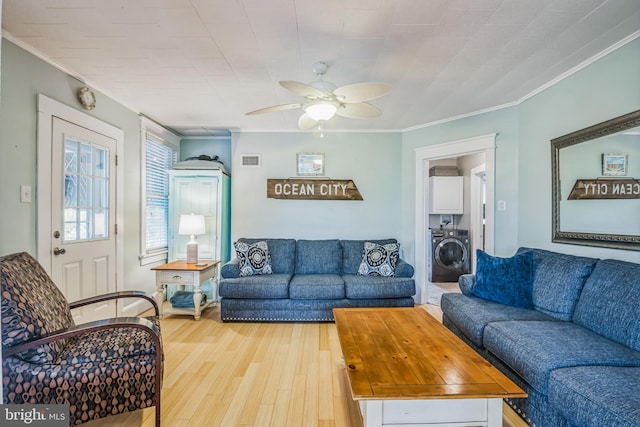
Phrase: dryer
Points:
(448, 255)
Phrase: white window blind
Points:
(159, 159)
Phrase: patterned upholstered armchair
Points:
(99, 368)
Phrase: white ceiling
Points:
(199, 65)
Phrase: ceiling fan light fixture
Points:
(323, 100)
(321, 110)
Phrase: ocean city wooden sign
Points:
(586, 189)
(312, 189)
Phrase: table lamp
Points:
(192, 225)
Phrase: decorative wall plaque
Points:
(312, 189)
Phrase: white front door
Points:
(83, 216)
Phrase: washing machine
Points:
(448, 256)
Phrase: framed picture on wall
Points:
(310, 164)
(614, 164)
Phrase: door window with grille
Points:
(86, 191)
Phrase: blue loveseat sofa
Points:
(575, 350)
(306, 279)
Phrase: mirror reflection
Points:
(596, 185)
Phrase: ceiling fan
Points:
(323, 99)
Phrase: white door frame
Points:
(47, 109)
(480, 144)
(476, 184)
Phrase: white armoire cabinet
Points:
(200, 192)
(446, 195)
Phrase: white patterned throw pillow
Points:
(379, 260)
(254, 258)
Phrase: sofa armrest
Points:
(466, 282)
(231, 269)
(403, 269)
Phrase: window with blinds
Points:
(158, 160)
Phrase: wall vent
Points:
(251, 160)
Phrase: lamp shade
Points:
(321, 110)
(191, 224)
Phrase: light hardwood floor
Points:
(253, 374)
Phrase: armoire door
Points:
(195, 195)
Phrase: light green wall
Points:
(23, 77)
(382, 164)
(372, 160)
(504, 123)
(18, 142)
(605, 89)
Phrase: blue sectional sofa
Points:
(575, 351)
(306, 279)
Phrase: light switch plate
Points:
(25, 193)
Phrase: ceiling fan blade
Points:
(302, 89)
(360, 92)
(359, 110)
(305, 122)
(273, 108)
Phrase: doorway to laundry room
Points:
(455, 220)
(454, 211)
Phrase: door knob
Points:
(59, 251)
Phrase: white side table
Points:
(180, 273)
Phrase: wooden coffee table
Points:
(406, 368)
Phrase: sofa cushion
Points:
(534, 348)
(379, 260)
(318, 257)
(465, 283)
(316, 286)
(557, 281)
(282, 253)
(261, 286)
(366, 287)
(610, 300)
(254, 258)
(596, 396)
(107, 346)
(471, 315)
(504, 280)
(352, 253)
